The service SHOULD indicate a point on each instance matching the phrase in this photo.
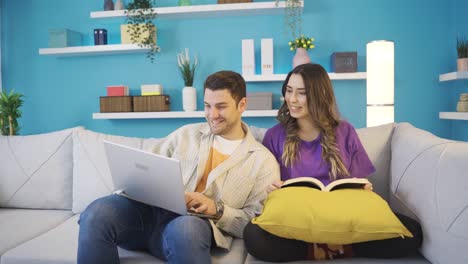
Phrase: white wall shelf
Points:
(454, 115)
(240, 9)
(94, 50)
(176, 114)
(453, 76)
(282, 77)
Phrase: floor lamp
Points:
(380, 82)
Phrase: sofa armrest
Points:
(429, 179)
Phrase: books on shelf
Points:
(355, 183)
(100, 36)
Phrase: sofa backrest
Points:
(429, 181)
(91, 175)
(377, 143)
(36, 170)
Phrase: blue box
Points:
(60, 38)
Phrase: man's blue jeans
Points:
(115, 220)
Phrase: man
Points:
(225, 174)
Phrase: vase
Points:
(185, 2)
(189, 98)
(119, 5)
(462, 64)
(108, 5)
(301, 57)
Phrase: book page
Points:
(304, 181)
(350, 183)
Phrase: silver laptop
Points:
(146, 177)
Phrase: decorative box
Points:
(117, 90)
(127, 39)
(151, 89)
(115, 104)
(344, 62)
(60, 38)
(151, 103)
(259, 101)
(233, 1)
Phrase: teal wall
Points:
(64, 92)
(459, 129)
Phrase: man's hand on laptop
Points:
(200, 204)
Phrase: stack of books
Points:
(462, 105)
(100, 36)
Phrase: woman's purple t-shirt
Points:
(311, 164)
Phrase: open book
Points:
(334, 185)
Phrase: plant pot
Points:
(301, 57)
(462, 64)
(189, 98)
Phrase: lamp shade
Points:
(380, 82)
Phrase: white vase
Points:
(301, 57)
(189, 98)
(462, 64)
(119, 5)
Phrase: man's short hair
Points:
(229, 80)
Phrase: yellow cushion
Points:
(339, 217)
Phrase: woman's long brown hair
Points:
(325, 116)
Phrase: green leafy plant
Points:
(301, 42)
(293, 16)
(462, 48)
(187, 69)
(10, 104)
(140, 16)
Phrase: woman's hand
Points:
(368, 187)
(274, 186)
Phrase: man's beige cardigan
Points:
(240, 181)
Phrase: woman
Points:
(311, 140)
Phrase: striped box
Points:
(155, 103)
(110, 104)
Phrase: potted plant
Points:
(10, 104)
(140, 16)
(187, 71)
(293, 16)
(462, 51)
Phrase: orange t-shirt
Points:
(219, 152)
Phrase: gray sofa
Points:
(47, 180)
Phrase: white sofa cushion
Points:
(429, 180)
(36, 171)
(43, 249)
(20, 225)
(91, 175)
